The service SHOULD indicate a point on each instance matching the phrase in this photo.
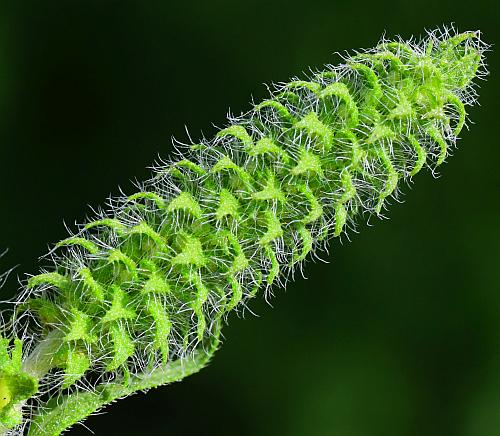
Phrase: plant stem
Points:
(63, 412)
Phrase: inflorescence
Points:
(136, 297)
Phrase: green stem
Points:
(70, 409)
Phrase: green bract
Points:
(137, 296)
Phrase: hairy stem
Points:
(70, 409)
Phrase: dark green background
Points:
(398, 335)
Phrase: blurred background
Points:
(398, 335)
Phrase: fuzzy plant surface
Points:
(136, 297)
